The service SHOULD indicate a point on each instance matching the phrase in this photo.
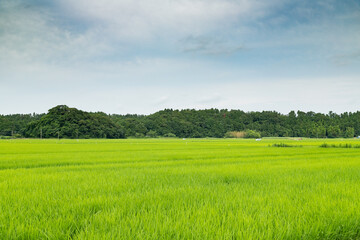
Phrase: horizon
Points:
(140, 57)
(183, 109)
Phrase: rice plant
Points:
(284, 145)
(178, 189)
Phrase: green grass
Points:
(346, 145)
(284, 145)
(179, 189)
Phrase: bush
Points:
(349, 132)
(284, 145)
(252, 134)
(346, 145)
(234, 134)
(139, 135)
(333, 131)
(17, 135)
(152, 134)
(5, 137)
(243, 134)
(170, 135)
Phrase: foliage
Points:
(169, 135)
(349, 132)
(139, 135)
(252, 134)
(152, 134)
(187, 123)
(13, 124)
(333, 131)
(64, 122)
(233, 123)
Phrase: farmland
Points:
(179, 189)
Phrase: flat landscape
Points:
(180, 189)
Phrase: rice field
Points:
(179, 189)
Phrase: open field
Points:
(179, 189)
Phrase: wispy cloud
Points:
(206, 45)
(211, 98)
(115, 29)
(141, 19)
(30, 34)
(138, 49)
(346, 59)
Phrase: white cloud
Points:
(117, 28)
(108, 89)
(114, 61)
(32, 35)
(347, 58)
(143, 19)
(210, 46)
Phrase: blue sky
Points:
(141, 56)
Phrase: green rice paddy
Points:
(179, 189)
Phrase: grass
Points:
(284, 145)
(346, 145)
(178, 189)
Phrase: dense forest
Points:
(64, 122)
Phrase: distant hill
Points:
(64, 122)
(218, 123)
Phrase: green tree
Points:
(252, 134)
(152, 134)
(349, 132)
(170, 135)
(333, 131)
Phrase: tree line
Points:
(65, 122)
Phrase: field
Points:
(179, 189)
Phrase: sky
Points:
(142, 56)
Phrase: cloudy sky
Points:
(141, 56)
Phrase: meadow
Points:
(179, 189)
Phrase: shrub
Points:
(17, 135)
(349, 132)
(5, 137)
(243, 134)
(139, 135)
(252, 134)
(346, 145)
(152, 134)
(170, 135)
(325, 145)
(235, 134)
(284, 145)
